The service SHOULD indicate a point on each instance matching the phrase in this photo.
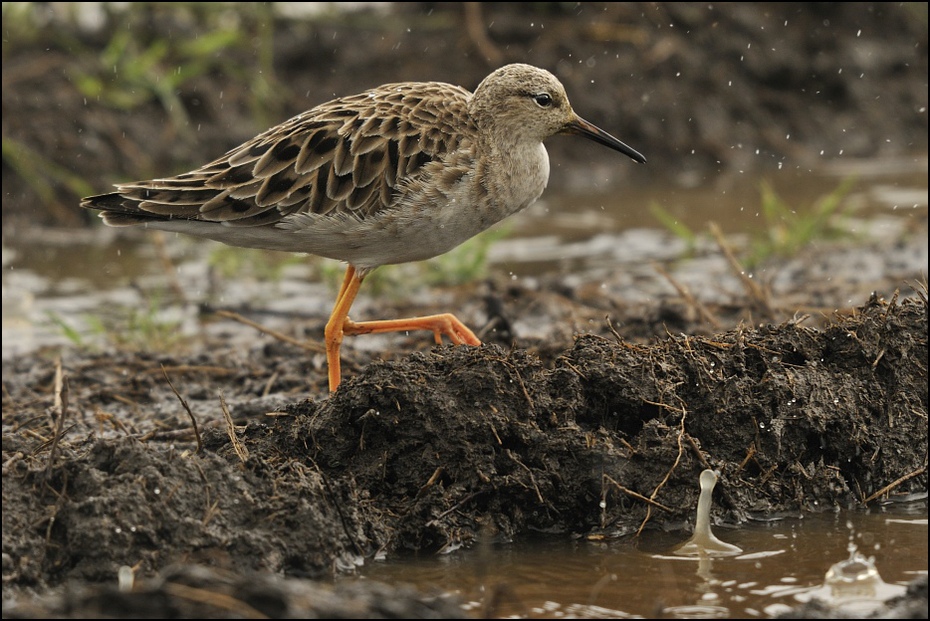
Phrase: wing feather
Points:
(356, 155)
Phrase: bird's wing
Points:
(351, 156)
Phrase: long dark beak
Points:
(582, 128)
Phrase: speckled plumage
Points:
(399, 173)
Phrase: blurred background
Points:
(95, 93)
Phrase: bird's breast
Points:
(499, 187)
(515, 180)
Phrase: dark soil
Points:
(231, 494)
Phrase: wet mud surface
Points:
(106, 466)
(224, 482)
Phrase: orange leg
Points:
(339, 325)
(333, 332)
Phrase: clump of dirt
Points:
(794, 418)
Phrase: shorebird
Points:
(402, 172)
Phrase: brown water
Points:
(784, 563)
(581, 230)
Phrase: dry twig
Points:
(757, 294)
(237, 444)
(307, 345)
(187, 408)
(705, 314)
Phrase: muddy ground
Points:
(229, 481)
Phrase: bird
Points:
(401, 172)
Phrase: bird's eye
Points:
(543, 100)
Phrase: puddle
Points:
(784, 563)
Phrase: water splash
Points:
(703, 542)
